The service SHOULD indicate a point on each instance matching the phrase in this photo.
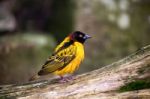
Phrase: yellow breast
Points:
(74, 64)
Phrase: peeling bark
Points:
(104, 82)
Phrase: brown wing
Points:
(59, 60)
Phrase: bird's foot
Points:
(71, 77)
(66, 79)
(63, 80)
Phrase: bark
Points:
(102, 83)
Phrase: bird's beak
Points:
(87, 36)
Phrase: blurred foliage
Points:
(117, 27)
(53, 16)
(22, 55)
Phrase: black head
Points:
(79, 36)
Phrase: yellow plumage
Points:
(74, 64)
(67, 56)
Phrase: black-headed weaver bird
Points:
(67, 56)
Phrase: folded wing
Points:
(61, 58)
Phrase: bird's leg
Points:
(66, 79)
(71, 77)
(63, 79)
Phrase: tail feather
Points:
(34, 77)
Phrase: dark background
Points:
(31, 29)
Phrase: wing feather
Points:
(59, 59)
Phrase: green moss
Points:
(135, 85)
(4, 97)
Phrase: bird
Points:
(66, 58)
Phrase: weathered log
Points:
(126, 78)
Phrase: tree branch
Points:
(112, 81)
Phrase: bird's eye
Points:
(80, 35)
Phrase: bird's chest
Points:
(80, 51)
(74, 64)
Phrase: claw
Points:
(65, 79)
(70, 77)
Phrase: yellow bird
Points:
(66, 57)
